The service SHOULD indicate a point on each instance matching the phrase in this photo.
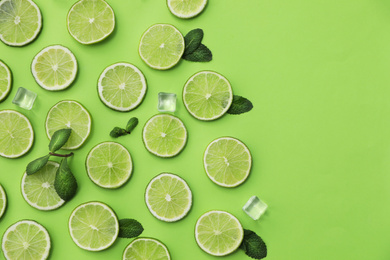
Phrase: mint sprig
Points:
(65, 183)
(129, 228)
(194, 49)
(131, 124)
(253, 245)
(240, 105)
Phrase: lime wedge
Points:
(5, 81)
(218, 233)
(38, 188)
(168, 197)
(146, 248)
(69, 114)
(186, 8)
(227, 161)
(90, 21)
(164, 135)
(161, 46)
(109, 165)
(207, 95)
(16, 134)
(122, 86)
(20, 22)
(26, 240)
(3, 201)
(54, 68)
(93, 226)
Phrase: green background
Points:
(318, 75)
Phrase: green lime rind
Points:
(186, 9)
(5, 81)
(3, 201)
(151, 248)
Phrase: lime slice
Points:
(164, 135)
(26, 240)
(38, 188)
(3, 201)
(69, 114)
(109, 165)
(207, 95)
(20, 22)
(218, 233)
(186, 8)
(122, 86)
(90, 21)
(93, 226)
(146, 248)
(168, 197)
(227, 161)
(16, 134)
(161, 46)
(54, 68)
(5, 81)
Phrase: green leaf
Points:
(253, 245)
(133, 122)
(129, 228)
(37, 164)
(117, 131)
(193, 40)
(59, 138)
(65, 183)
(201, 54)
(240, 105)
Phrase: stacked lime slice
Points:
(20, 22)
(122, 86)
(146, 248)
(186, 8)
(69, 114)
(16, 134)
(54, 68)
(90, 21)
(5, 81)
(161, 46)
(3, 201)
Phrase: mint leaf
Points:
(117, 131)
(201, 54)
(253, 245)
(37, 164)
(240, 105)
(129, 228)
(193, 40)
(133, 122)
(65, 183)
(59, 138)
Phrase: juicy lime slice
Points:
(26, 240)
(69, 114)
(20, 22)
(186, 8)
(5, 81)
(207, 95)
(227, 161)
(168, 197)
(54, 68)
(16, 134)
(164, 135)
(146, 248)
(38, 188)
(161, 46)
(93, 226)
(3, 201)
(218, 233)
(122, 86)
(109, 165)
(90, 21)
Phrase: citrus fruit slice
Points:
(26, 240)
(69, 114)
(164, 135)
(109, 165)
(20, 22)
(38, 188)
(186, 8)
(218, 233)
(16, 134)
(207, 95)
(90, 21)
(93, 226)
(168, 197)
(161, 46)
(54, 68)
(5, 81)
(3, 201)
(227, 161)
(122, 86)
(146, 248)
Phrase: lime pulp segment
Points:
(5, 81)
(186, 8)
(3, 201)
(146, 248)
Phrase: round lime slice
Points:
(186, 8)
(3, 201)
(16, 134)
(5, 81)
(207, 95)
(146, 248)
(161, 46)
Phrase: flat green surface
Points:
(318, 75)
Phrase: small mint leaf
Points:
(240, 105)
(129, 228)
(193, 40)
(37, 164)
(117, 131)
(201, 54)
(59, 138)
(65, 183)
(253, 245)
(133, 122)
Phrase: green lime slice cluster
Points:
(5, 81)
(186, 8)
(3, 201)
(146, 248)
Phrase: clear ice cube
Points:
(166, 102)
(24, 98)
(255, 208)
